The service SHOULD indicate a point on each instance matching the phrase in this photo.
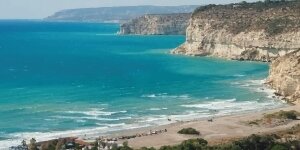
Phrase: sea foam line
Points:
(165, 95)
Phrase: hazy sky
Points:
(35, 9)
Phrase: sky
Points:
(37, 9)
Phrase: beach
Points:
(216, 130)
(220, 130)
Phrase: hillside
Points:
(115, 14)
(244, 31)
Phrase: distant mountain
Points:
(115, 14)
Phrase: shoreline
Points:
(220, 130)
(170, 137)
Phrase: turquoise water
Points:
(61, 79)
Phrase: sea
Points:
(72, 79)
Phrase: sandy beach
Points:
(220, 130)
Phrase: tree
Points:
(96, 145)
(32, 145)
(125, 144)
(24, 143)
(103, 144)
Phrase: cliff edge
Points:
(245, 31)
(157, 24)
(285, 76)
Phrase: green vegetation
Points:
(276, 119)
(189, 131)
(124, 147)
(243, 4)
(272, 16)
(253, 142)
(284, 115)
(192, 144)
(32, 145)
(294, 129)
(277, 26)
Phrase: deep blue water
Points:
(59, 79)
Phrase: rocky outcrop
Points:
(245, 31)
(159, 24)
(285, 76)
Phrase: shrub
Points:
(192, 144)
(189, 131)
(255, 142)
(255, 122)
(284, 115)
(289, 114)
(280, 147)
(166, 148)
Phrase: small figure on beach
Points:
(210, 120)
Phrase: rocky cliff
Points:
(159, 24)
(245, 31)
(285, 76)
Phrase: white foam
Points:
(165, 95)
(149, 95)
(222, 107)
(111, 125)
(154, 119)
(92, 113)
(125, 118)
(95, 112)
(87, 118)
(154, 109)
(116, 125)
(259, 87)
(189, 115)
(239, 75)
(48, 119)
(157, 109)
(81, 121)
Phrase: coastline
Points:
(222, 129)
(200, 123)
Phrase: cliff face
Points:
(160, 24)
(285, 76)
(256, 31)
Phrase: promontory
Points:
(259, 31)
(157, 24)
